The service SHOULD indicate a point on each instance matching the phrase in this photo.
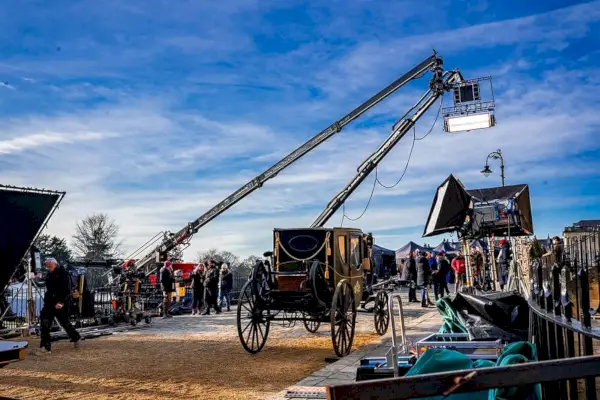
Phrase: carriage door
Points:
(356, 258)
(342, 266)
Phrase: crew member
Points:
(211, 288)
(225, 286)
(409, 275)
(503, 263)
(197, 289)
(440, 285)
(56, 305)
(423, 274)
(167, 281)
(460, 269)
(478, 267)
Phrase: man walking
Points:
(167, 281)
(460, 269)
(56, 306)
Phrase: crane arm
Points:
(438, 85)
(173, 240)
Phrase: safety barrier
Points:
(563, 285)
(397, 348)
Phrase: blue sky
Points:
(153, 111)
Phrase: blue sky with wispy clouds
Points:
(153, 111)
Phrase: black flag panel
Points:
(449, 208)
(23, 212)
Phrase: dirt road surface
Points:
(187, 357)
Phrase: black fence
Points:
(104, 301)
(564, 301)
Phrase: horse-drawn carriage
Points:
(315, 275)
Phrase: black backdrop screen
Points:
(22, 214)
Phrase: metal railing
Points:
(397, 348)
(563, 285)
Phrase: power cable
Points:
(344, 216)
(436, 119)
(412, 147)
(377, 181)
(415, 138)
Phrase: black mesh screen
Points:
(22, 214)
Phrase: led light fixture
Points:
(468, 122)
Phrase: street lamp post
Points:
(495, 155)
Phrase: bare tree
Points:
(245, 267)
(220, 256)
(96, 237)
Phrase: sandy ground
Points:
(183, 358)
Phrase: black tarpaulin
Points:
(23, 213)
(500, 315)
(449, 208)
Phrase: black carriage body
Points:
(315, 275)
(308, 264)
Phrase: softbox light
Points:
(449, 209)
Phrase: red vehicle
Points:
(185, 268)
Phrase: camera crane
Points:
(172, 241)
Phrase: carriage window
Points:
(355, 257)
(342, 248)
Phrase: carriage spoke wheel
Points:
(343, 318)
(381, 315)
(252, 321)
(311, 324)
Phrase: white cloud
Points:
(154, 165)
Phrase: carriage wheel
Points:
(252, 321)
(381, 315)
(343, 318)
(311, 325)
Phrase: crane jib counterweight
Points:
(171, 241)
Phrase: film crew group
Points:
(211, 287)
(425, 269)
(56, 305)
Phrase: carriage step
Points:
(306, 392)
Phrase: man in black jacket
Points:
(423, 274)
(409, 275)
(211, 288)
(167, 281)
(439, 276)
(56, 305)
